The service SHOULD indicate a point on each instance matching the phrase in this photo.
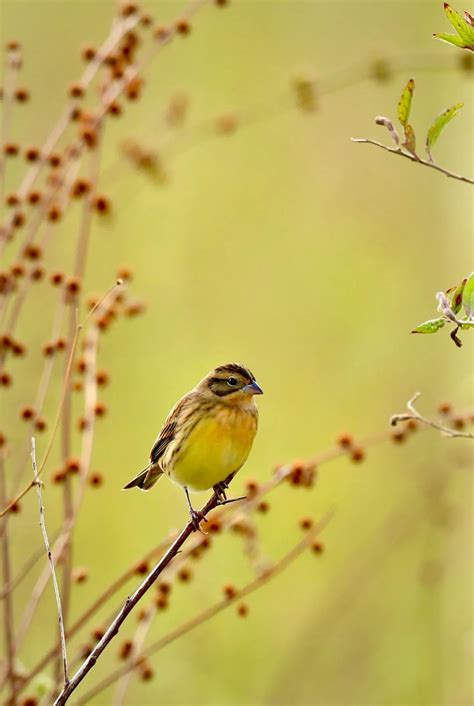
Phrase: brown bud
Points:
(17, 270)
(100, 409)
(76, 90)
(80, 574)
(56, 278)
(345, 440)
(96, 479)
(27, 413)
(11, 149)
(306, 523)
(73, 285)
(102, 378)
(184, 574)
(357, 454)
(141, 568)
(88, 52)
(125, 649)
(101, 204)
(242, 610)
(317, 547)
(40, 424)
(72, 466)
(445, 408)
(229, 591)
(398, 436)
(161, 602)
(32, 252)
(183, 27)
(32, 154)
(5, 379)
(58, 477)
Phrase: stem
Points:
(50, 560)
(414, 414)
(9, 674)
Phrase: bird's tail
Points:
(146, 479)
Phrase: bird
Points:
(207, 436)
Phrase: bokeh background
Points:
(309, 258)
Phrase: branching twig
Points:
(414, 414)
(211, 611)
(418, 160)
(129, 604)
(55, 426)
(37, 482)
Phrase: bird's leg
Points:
(196, 516)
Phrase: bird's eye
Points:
(232, 381)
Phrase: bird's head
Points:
(231, 383)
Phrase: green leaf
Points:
(410, 140)
(450, 38)
(439, 124)
(468, 296)
(462, 27)
(404, 104)
(455, 296)
(430, 326)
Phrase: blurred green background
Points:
(309, 259)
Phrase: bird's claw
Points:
(196, 518)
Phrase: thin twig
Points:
(37, 482)
(9, 673)
(418, 160)
(414, 414)
(55, 426)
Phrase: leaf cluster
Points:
(452, 303)
(404, 111)
(464, 26)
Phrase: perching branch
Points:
(412, 158)
(212, 610)
(129, 605)
(414, 414)
(50, 560)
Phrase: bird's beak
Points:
(252, 388)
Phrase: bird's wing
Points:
(164, 439)
(170, 428)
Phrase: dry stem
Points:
(37, 482)
(414, 414)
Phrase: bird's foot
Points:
(196, 518)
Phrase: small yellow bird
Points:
(207, 436)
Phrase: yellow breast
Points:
(216, 447)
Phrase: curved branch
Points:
(414, 414)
